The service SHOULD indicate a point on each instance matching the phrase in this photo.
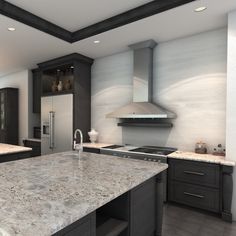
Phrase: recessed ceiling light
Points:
(11, 29)
(199, 9)
(96, 41)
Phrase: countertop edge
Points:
(203, 159)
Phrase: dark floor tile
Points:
(230, 233)
(210, 232)
(181, 221)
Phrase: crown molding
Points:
(135, 14)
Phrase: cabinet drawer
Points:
(196, 196)
(200, 173)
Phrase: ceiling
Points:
(25, 47)
(76, 14)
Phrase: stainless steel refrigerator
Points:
(56, 123)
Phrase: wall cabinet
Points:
(9, 116)
(70, 74)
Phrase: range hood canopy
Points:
(142, 106)
(141, 110)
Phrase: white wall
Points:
(189, 79)
(22, 80)
(231, 99)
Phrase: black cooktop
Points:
(154, 150)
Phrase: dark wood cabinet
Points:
(35, 145)
(143, 209)
(9, 116)
(202, 185)
(195, 184)
(84, 227)
(36, 90)
(91, 150)
(74, 73)
(15, 156)
(137, 212)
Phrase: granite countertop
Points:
(96, 145)
(42, 195)
(201, 157)
(10, 149)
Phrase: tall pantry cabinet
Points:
(9, 116)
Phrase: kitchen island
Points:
(63, 194)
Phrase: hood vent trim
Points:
(142, 106)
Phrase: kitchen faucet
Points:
(78, 146)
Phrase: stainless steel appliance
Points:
(146, 153)
(56, 123)
(142, 106)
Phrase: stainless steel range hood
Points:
(142, 106)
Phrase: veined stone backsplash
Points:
(189, 79)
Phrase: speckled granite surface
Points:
(40, 196)
(201, 157)
(9, 149)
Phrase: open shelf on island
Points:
(107, 226)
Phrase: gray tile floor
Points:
(182, 221)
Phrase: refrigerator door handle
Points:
(51, 129)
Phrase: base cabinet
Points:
(15, 156)
(143, 209)
(36, 147)
(196, 196)
(137, 212)
(201, 185)
(84, 227)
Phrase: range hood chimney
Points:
(142, 106)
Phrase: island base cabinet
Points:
(137, 212)
(143, 209)
(84, 227)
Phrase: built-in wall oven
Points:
(145, 153)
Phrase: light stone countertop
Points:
(201, 157)
(41, 195)
(10, 149)
(96, 145)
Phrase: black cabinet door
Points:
(36, 91)
(9, 115)
(143, 209)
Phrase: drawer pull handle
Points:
(193, 195)
(194, 173)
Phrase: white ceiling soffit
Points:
(25, 47)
